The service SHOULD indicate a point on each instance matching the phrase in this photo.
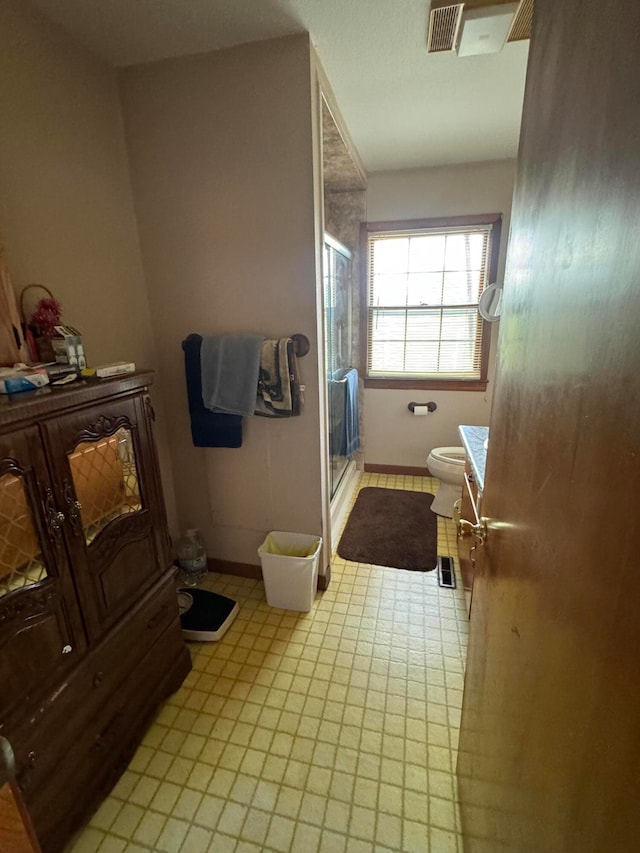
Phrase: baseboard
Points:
(248, 570)
(241, 570)
(409, 471)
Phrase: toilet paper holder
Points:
(431, 406)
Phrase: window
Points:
(423, 280)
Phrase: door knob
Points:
(74, 508)
(466, 528)
(55, 518)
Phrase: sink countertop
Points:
(474, 440)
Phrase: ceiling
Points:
(404, 108)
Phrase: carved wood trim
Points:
(39, 598)
(119, 533)
(9, 465)
(103, 427)
(151, 412)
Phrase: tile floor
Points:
(330, 731)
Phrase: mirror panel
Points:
(21, 559)
(105, 479)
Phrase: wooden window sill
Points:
(428, 384)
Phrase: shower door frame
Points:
(331, 370)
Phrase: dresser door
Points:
(104, 481)
(16, 829)
(41, 633)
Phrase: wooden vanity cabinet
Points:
(90, 639)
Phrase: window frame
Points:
(426, 383)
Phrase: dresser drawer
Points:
(52, 729)
(85, 774)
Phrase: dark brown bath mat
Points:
(391, 527)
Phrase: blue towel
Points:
(351, 432)
(230, 366)
(337, 397)
(208, 429)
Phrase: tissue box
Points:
(14, 381)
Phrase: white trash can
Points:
(290, 569)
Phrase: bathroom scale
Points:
(205, 616)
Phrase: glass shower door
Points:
(337, 308)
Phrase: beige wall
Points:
(66, 208)
(392, 435)
(221, 148)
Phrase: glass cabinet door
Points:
(102, 462)
(22, 563)
(40, 628)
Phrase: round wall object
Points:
(490, 304)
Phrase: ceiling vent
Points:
(444, 23)
(484, 29)
(522, 21)
(488, 23)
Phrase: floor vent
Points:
(446, 572)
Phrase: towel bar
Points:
(297, 347)
(301, 345)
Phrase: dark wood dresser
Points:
(90, 639)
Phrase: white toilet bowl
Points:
(447, 464)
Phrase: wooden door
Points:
(41, 634)
(550, 741)
(104, 466)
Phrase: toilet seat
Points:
(450, 455)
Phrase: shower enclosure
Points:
(337, 262)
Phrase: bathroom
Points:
(126, 251)
(268, 196)
(160, 198)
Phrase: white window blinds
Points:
(423, 289)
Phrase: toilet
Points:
(447, 464)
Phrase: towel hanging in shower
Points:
(351, 428)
